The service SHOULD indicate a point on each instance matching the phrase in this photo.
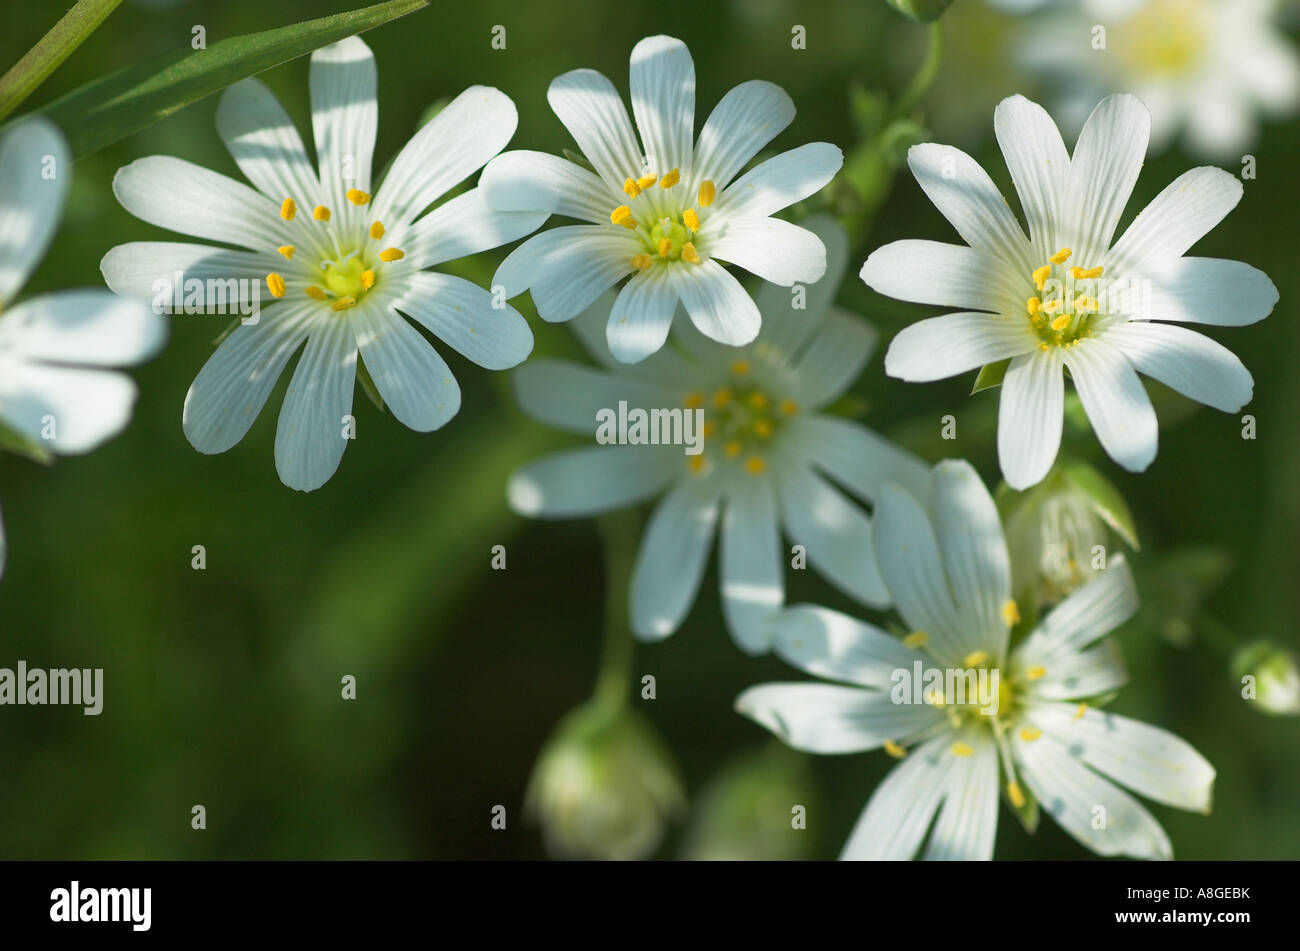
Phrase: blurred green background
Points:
(222, 686)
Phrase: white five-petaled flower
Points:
(1069, 297)
(669, 210)
(56, 389)
(1041, 744)
(341, 265)
(766, 455)
(1205, 67)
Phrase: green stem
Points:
(52, 49)
(925, 74)
(620, 532)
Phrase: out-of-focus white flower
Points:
(1276, 680)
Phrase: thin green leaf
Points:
(991, 375)
(16, 442)
(51, 50)
(1106, 500)
(120, 104)
(368, 384)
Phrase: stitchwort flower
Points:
(1069, 297)
(668, 210)
(1041, 740)
(768, 448)
(340, 259)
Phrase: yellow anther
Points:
(1085, 303)
(721, 396)
(1033, 305)
(287, 250)
(708, 430)
(1085, 273)
(691, 219)
(288, 208)
(316, 292)
(343, 303)
(1078, 714)
(763, 429)
(961, 749)
(665, 247)
(391, 254)
(1043, 347)
(1030, 733)
(622, 215)
(755, 465)
(1015, 795)
(1036, 673)
(320, 213)
(377, 230)
(689, 253)
(707, 193)
(631, 187)
(645, 181)
(740, 367)
(975, 658)
(894, 750)
(732, 449)
(789, 407)
(1010, 613)
(916, 639)
(694, 463)
(358, 197)
(1061, 256)
(642, 261)
(758, 400)
(671, 178)
(1060, 323)
(695, 400)
(1052, 306)
(275, 284)
(1041, 275)
(367, 280)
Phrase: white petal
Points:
(35, 171)
(940, 347)
(833, 358)
(1030, 413)
(537, 181)
(1188, 208)
(591, 109)
(454, 144)
(643, 313)
(785, 327)
(968, 821)
(1186, 361)
(88, 327)
(1148, 760)
(828, 718)
(751, 565)
(580, 482)
(149, 269)
(414, 382)
(908, 556)
(463, 226)
(718, 305)
(179, 195)
(85, 406)
(1075, 675)
(775, 250)
(747, 118)
(949, 275)
(967, 197)
(1076, 798)
(567, 268)
(974, 552)
(856, 457)
(835, 533)
(1103, 170)
(234, 384)
(345, 119)
(265, 144)
(671, 560)
(663, 101)
(309, 439)
(1118, 407)
(1208, 291)
(1088, 613)
(1039, 166)
(780, 181)
(569, 396)
(462, 314)
(829, 644)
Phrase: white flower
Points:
(1070, 297)
(56, 391)
(946, 565)
(669, 210)
(338, 263)
(1205, 67)
(766, 454)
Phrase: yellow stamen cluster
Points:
(741, 413)
(342, 282)
(1061, 319)
(665, 237)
